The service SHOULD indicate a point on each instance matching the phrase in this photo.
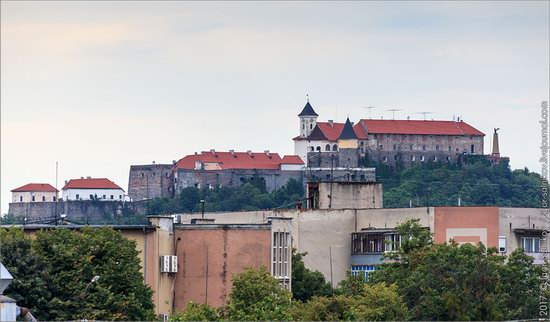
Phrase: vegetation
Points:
(474, 180)
(306, 283)
(466, 282)
(53, 274)
(256, 295)
(252, 195)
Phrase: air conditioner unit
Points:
(168, 264)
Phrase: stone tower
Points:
(308, 120)
(347, 145)
(496, 151)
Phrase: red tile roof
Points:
(233, 160)
(36, 187)
(420, 127)
(292, 159)
(91, 183)
(332, 131)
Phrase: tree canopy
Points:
(53, 274)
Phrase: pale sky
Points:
(99, 86)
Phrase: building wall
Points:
(348, 195)
(150, 181)
(523, 218)
(467, 225)
(84, 194)
(300, 149)
(429, 146)
(208, 257)
(26, 196)
(274, 179)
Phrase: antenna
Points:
(393, 110)
(425, 113)
(370, 109)
(307, 95)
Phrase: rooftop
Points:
(36, 187)
(91, 183)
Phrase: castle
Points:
(324, 151)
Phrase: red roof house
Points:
(36, 187)
(91, 183)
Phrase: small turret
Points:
(308, 120)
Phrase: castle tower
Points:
(308, 120)
(348, 144)
(496, 151)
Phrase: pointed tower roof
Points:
(348, 133)
(308, 110)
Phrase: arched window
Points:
(311, 126)
(327, 147)
(312, 149)
(335, 148)
(318, 149)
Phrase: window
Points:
(450, 149)
(502, 244)
(385, 159)
(395, 147)
(392, 242)
(104, 197)
(154, 174)
(43, 198)
(472, 148)
(120, 197)
(112, 197)
(422, 158)
(142, 175)
(53, 198)
(423, 148)
(530, 244)
(303, 126)
(21, 198)
(318, 148)
(381, 147)
(362, 243)
(413, 158)
(435, 159)
(312, 149)
(335, 148)
(311, 126)
(77, 197)
(327, 147)
(410, 147)
(32, 198)
(281, 245)
(448, 159)
(395, 157)
(91, 197)
(362, 269)
(437, 147)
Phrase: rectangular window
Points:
(32, 198)
(422, 158)
(423, 148)
(381, 147)
(450, 149)
(54, 198)
(385, 159)
(43, 198)
(395, 157)
(112, 197)
(530, 244)
(77, 196)
(410, 147)
(362, 269)
(104, 197)
(21, 198)
(502, 244)
(120, 197)
(437, 147)
(413, 158)
(395, 147)
(472, 148)
(392, 242)
(91, 197)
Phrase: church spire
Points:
(308, 110)
(347, 132)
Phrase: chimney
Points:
(249, 152)
(153, 162)
(88, 177)
(66, 182)
(232, 152)
(331, 122)
(81, 177)
(408, 118)
(173, 161)
(267, 153)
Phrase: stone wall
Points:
(150, 181)
(81, 211)
(274, 179)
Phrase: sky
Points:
(99, 86)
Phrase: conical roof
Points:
(308, 111)
(348, 133)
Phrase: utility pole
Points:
(330, 257)
(428, 199)
(202, 210)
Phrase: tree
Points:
(307, 283)
(256, 295)
(196, 312)
(459, 282)
(59, 265)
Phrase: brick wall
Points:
(150, 181)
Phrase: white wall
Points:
(27, 196)
(84, 194)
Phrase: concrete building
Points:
(34, 192)
(92, 189)
(344, 195)
(195, 261)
